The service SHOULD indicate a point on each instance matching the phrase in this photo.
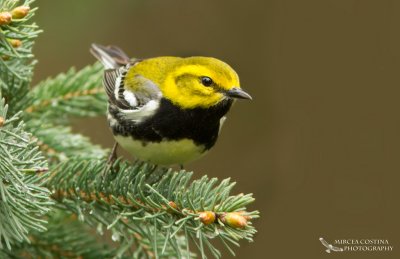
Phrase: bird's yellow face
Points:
(201, 82)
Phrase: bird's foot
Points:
(111, 159)
(113, 155)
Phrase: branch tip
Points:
(20, 12)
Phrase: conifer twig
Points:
(130, 194)
(23, 199)
(70, 94)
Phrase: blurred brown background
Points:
(319, 146)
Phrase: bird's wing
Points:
(136, 101)
(329, 246)
(326, 244)
(335, 248)
(110, 56)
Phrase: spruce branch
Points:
(23, 199)
(53, 101)
(70, 94)
(14, 91)
(58, 143)
(65, 237)
(17, 34)
(130, 196)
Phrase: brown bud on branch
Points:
(207, 217)
(234, 219)
(15, 43)
(173, 205)
(5, 18)
(20, 12)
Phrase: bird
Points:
(329, 246)
(166, 110)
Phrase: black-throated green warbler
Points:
(167, 110)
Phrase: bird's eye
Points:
(206, 81)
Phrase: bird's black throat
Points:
(171, 122)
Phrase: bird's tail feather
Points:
(110, 56)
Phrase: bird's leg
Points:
(113, 155)
(181, 165)
(111, 159)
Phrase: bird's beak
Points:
(238, 93)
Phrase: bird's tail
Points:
(110, 56)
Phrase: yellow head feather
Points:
(180, 82)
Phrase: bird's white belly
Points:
(162, 153)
